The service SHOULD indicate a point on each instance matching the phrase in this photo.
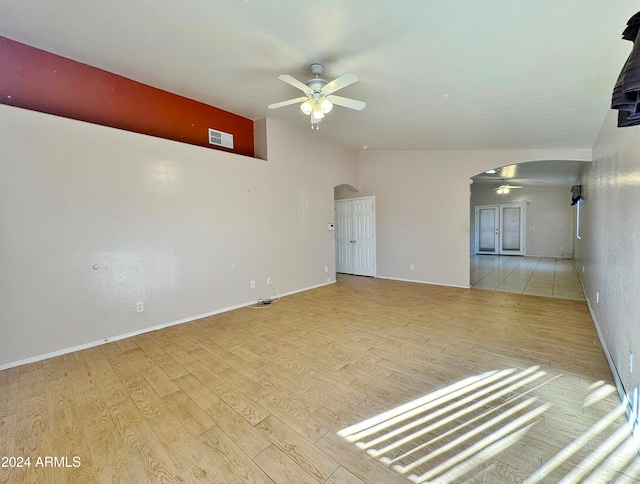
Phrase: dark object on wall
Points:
(626, 93)
(576, 194)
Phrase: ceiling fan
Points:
(505, 188)
(319, 98)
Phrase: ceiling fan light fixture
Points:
(317, 112)
(326, 105)
(307, 107)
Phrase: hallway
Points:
(535, 276)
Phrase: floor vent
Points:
(220, 138)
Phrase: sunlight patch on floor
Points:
(449, 433)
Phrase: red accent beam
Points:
(41, 81)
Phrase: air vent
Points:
(220, 138)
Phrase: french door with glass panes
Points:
(500, 229)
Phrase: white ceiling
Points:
(437, 74)
(549, 174)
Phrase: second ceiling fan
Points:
(505, 188)
(319, 95)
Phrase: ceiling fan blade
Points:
(343, 81)
(295, 83)
(347, 103)
(502, 187)
(287, 103)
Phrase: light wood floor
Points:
(259, 395)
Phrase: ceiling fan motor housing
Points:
(316, 86)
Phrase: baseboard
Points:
(92, 344)
(550, 257)
(423, 282)
(630, 401)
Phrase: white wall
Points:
(182, 228)
(422, 213)
(549, 217)
(609, 249)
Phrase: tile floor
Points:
(536, 276)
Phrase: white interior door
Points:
(500, 229)
(344, 236)
(356, 236)
(364, 236)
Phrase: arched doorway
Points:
(541, 192)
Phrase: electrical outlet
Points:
(412, 267)
(326, 269)
(630, 362)
(140, 307)
(268, 281)
(597, 297)
(253, 284)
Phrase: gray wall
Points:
(609, 250)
